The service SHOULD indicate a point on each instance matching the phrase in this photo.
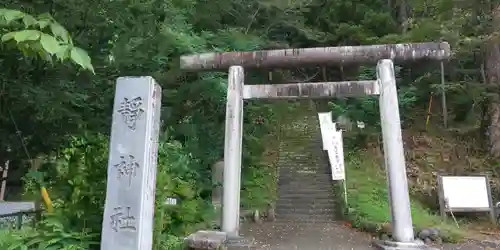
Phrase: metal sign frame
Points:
(444, 209)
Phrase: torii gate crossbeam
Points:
(286, 58)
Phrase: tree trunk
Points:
(493, 81)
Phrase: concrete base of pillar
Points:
(392, 245)
(206, 240)
(215, 240)
(240, 243)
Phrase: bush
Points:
(76, 180)
(50, 234)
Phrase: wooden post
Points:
(130, 194)
(443, 98)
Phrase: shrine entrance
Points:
(384, 86)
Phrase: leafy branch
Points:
(31, 36)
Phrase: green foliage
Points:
(76, 182)
(32, 40)
(177, 177)
(50, 234)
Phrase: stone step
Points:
(315, 188)
(316, 198)
(294, 147)
(305, 169)
(319, 196)
(305, 172)
(298, 183)
(308, 162)
(324, 180)
(302, 141)
(287, 204)
(318, 171)
(317, 175)
(307, 150)
(305, 206)
(305, 212)
(290, 151)
(305, 178)
(305, 218)
(330, 203)
(300, 164)
(301, 184)
(315, 212)
(306, 190)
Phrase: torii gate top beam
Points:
(286, 58)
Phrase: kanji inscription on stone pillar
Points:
(133, 148)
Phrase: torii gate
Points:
(385, 86)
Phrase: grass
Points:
(368, 200)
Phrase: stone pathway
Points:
(307, 236)
(305, 209)
(473, 245)
(328, 236)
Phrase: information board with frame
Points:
(458, 194)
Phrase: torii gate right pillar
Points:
(395, 166)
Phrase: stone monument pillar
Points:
(133, 149)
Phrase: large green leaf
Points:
(28, 21)
(59, 31)
(9, 36)
(45, 20)
(63, 53)
(27, 35)
(49, 44)
(11, 15)
(80, 57)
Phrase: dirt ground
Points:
(338, 236)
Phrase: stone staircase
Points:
(306, 205)
(305, 188)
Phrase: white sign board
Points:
(465, 192)
(325, 125)
(332, 143)
(336, 156)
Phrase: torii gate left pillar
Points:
(391, 129)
